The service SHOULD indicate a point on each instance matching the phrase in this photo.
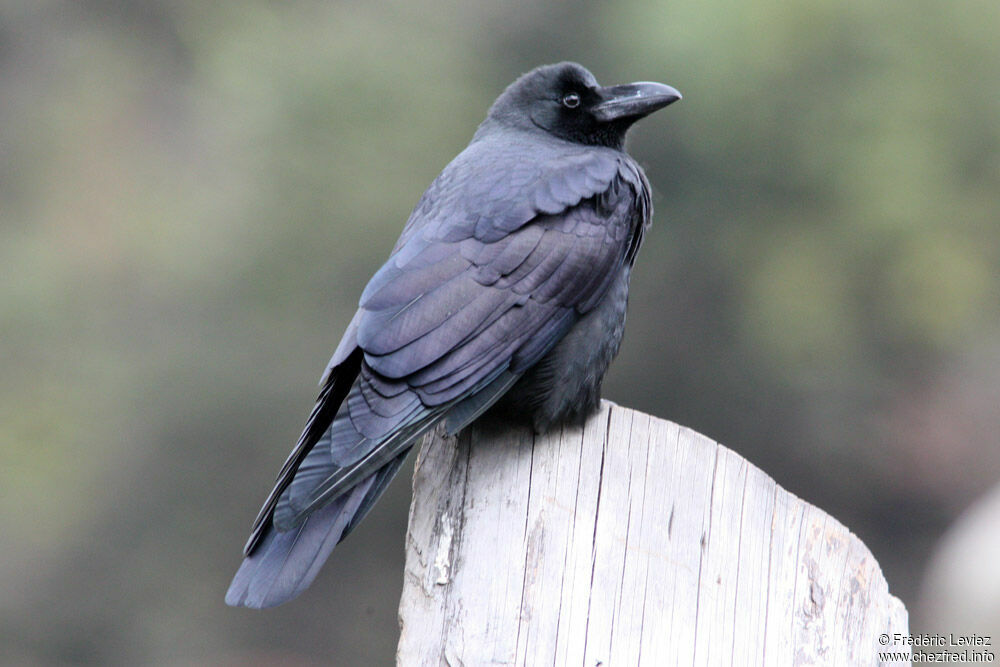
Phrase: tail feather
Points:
(285, 564)
(379, 485)
(331, 481)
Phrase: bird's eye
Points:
(571, 101)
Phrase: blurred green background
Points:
(193, 195)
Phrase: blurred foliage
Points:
(193, 195)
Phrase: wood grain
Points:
(629, 541)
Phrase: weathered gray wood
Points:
(629, 541)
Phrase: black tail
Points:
(322, 493)
(284, 564)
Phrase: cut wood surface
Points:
(629, 541)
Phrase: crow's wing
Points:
(336, 384)
(492, 270)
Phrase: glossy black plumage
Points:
(506, 290)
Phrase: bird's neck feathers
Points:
(500, 122)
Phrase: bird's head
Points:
(566, 101)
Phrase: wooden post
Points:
(629, 541)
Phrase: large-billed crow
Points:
(507, 288)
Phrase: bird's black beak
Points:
(633, 100)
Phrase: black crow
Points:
(507, 289)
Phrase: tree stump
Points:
(629, 541)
